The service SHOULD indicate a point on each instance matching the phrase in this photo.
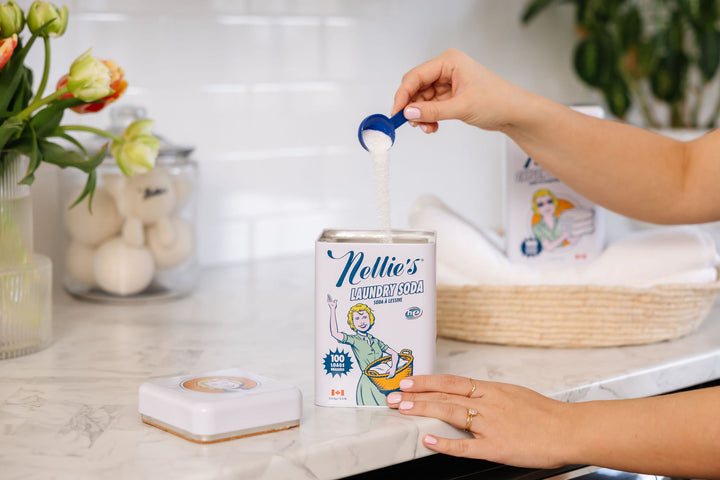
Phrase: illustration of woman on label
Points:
(366, 348)
(557, 223)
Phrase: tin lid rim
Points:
(377, 236)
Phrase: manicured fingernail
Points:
(405, 384)
(430, 440)
(406, 405)
(412, 113)
(424, 127)
(394, 397)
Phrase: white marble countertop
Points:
(70, 411)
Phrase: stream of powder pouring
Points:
(378, 144)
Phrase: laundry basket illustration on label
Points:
(387, 385)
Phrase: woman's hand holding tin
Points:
(509, 424)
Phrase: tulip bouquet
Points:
(31, 133)
(30, 121)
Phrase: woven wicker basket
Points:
(571, 316)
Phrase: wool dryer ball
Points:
(123, 269)
(93, 228)
(171, 241)
(149, 197)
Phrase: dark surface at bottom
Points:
(445, 467)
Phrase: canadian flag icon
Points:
(334, 393)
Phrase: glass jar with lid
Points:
(138, 243)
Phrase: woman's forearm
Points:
(673, 435)
(632, 171)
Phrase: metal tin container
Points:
(374, 314)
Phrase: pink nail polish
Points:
(394, 397)
(405, 384)
(424, 127)
(406, 405)
(412, 113)
(430, 440)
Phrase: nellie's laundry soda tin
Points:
(545, 220)
(374, 314)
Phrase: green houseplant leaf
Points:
(630, 28)
(594, 59)
(534, 8)
(617, 97)
(647, 53)
(709, 54)
(668, 79)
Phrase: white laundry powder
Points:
(378, 144)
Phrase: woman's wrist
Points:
(526, 112)
(572, 425)
(587, 425)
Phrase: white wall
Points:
(271, 93)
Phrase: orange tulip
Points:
(7, 47)
(117, 84)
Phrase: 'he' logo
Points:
(337, 392)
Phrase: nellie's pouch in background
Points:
(545, 220)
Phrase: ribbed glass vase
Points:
(25, 278)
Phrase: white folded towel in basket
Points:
(469, 255)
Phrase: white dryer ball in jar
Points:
(93, 228)
(114, 183)
(148, 196)
(123, 269)
(171, 241)
(133, 232)
(79, 263)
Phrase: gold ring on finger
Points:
(471, 412)
(474, 387)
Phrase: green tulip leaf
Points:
(88, 191)
(13, 73)
(35, 155)
(57, 155)
(10, 129)
(61, 134)
(23, 93)
(47, 120)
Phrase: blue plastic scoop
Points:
(382, 123)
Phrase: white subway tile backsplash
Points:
(271, 92)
